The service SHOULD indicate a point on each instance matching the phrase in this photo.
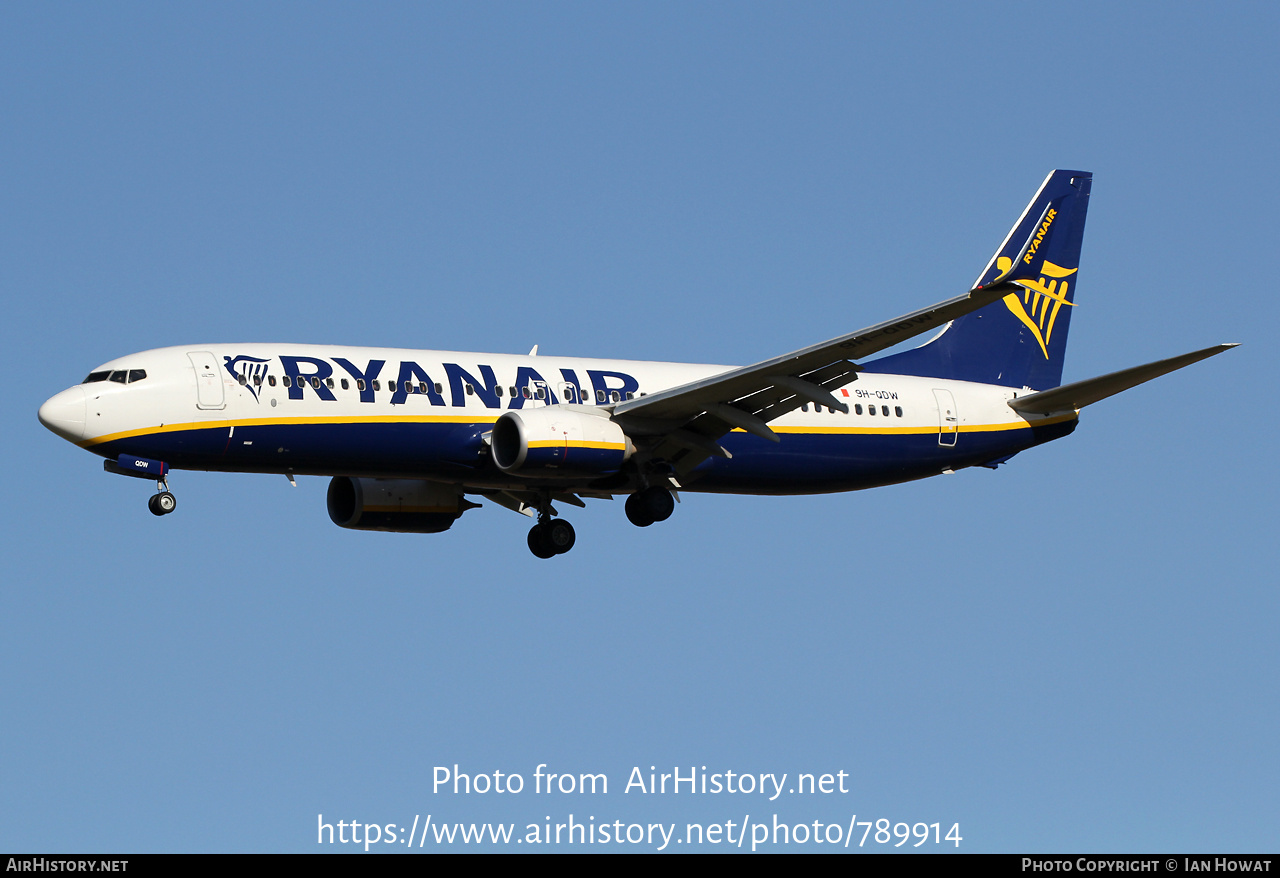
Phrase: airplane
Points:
(408, 436)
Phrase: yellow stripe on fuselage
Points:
(922, 430)
(276, 422)
(608, 446)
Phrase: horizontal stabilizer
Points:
(1082, 393)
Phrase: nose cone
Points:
(64, 414)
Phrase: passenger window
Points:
(360, 384)
(257, 380)
(615, 397)
(897, 410)
(315, 382)
(329, 382)
(288, 382)
(377, 385)
(344, 384)
(871, 410)
(471, 391)
(497, 391)
(524, 391)
(599, 396)
(513, 391)
(884, 410)
(857, 408)
(630, 395)
(542, 393)
(271, 379)
(804, 407)
(137, 375)
(391, 385)
(243, 379)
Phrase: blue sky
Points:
(1076, 652)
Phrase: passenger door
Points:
(948, 418)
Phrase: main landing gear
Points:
(164, 502)
(551, 536)
(555, 536)
(654, 503)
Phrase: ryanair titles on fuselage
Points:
(306, 373)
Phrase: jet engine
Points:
(557, 441)
(399, 505)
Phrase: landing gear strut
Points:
(654, 503)
(551, 536)
(164, 502)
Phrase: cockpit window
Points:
(119, 376)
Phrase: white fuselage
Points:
(396, 413)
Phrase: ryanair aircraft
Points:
(409, 437)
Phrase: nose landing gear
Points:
(164, 502)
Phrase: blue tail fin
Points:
(1021, 340)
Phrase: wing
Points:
(684, 423)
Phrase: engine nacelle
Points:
(558, 440)
(399, 505)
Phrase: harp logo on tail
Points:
(1041, 300)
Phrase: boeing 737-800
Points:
(409, 436)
